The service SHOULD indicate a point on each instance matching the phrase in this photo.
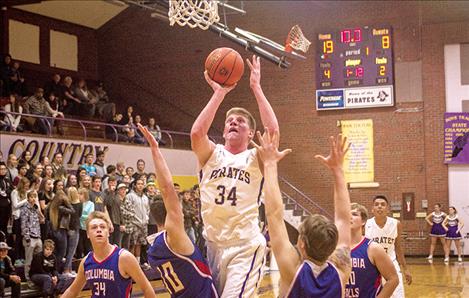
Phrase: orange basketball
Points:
(225, 66)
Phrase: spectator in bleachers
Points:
(127, 117)
(140, 169)
(99, 164)
(96, 195)
(46, 195)
(13, 122)
(48, 172)
(84, 245)
(73, 233)
(127, 215)
(60, 173)
(22, 170)
(142, 209)
(44, 272)
(81, 173)
(44, 160)
(5, 198)
(88, 165)
(58, 186)
(86, 182)
(54, 86)
(132, 134)
(35, 172)
(5, 74)
(37, 105)
(153, 197)
(87, 99)
(18, 200)
(55, 108)
(72, 181)
(113, 205)
(105, 109)
(155, 130)
(130, 172)
(111, 171)
(60, 211)
(31, 217)
(12, 163)
(17, 83)
(26, 158)
(70, 102)
(120, 170)
(8, 276)
(120, 131)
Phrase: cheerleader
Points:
(453, 226)
(435, 220)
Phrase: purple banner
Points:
(456, 138)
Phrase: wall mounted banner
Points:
(359, 161)
(182, 163)
(456, 138)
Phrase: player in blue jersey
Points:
(320, 266)
(184, 271)
(108, 270)
(369, 262)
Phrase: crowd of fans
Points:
(60, 98)
(43, 208)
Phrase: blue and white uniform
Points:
(365, 279)
(104, 278)
(316, 281)
(183, 276)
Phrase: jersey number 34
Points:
(220, 200)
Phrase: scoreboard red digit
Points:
(354, 68)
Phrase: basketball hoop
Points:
(193, 13)
(297, 40)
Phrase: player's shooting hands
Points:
(339, 147)
(268, 148)
(217, 87)
(255, 67)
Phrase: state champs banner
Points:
(359, 160)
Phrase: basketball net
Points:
(193, 13)
(296, 40)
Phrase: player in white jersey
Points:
(387, 231)
(230, 189)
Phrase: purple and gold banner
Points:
(456, 138)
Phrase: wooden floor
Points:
(435, 280)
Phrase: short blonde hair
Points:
(320, 236)
(245, 113)
(97, 215)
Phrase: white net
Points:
(193, 13)
(296, 40)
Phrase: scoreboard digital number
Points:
(354, 69)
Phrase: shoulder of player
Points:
(341, 258)
(375, 250)
(125, 257)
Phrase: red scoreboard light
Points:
(354, 68)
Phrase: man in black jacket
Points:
(8, 277)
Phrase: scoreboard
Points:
(354, 68)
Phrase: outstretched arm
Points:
(201, 145)
(400, 254)
(383, 262)
(268, 117)
(335, 161)
(77, 284)
(174, 224)
(130, 267)
(285, 253)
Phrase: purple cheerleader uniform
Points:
(437, 228)
(453, 233)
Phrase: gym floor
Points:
(429, 281)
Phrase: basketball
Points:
(225, 66)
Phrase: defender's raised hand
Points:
(148, 136)
(255, 67)
(268, 148)
(339, 147)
